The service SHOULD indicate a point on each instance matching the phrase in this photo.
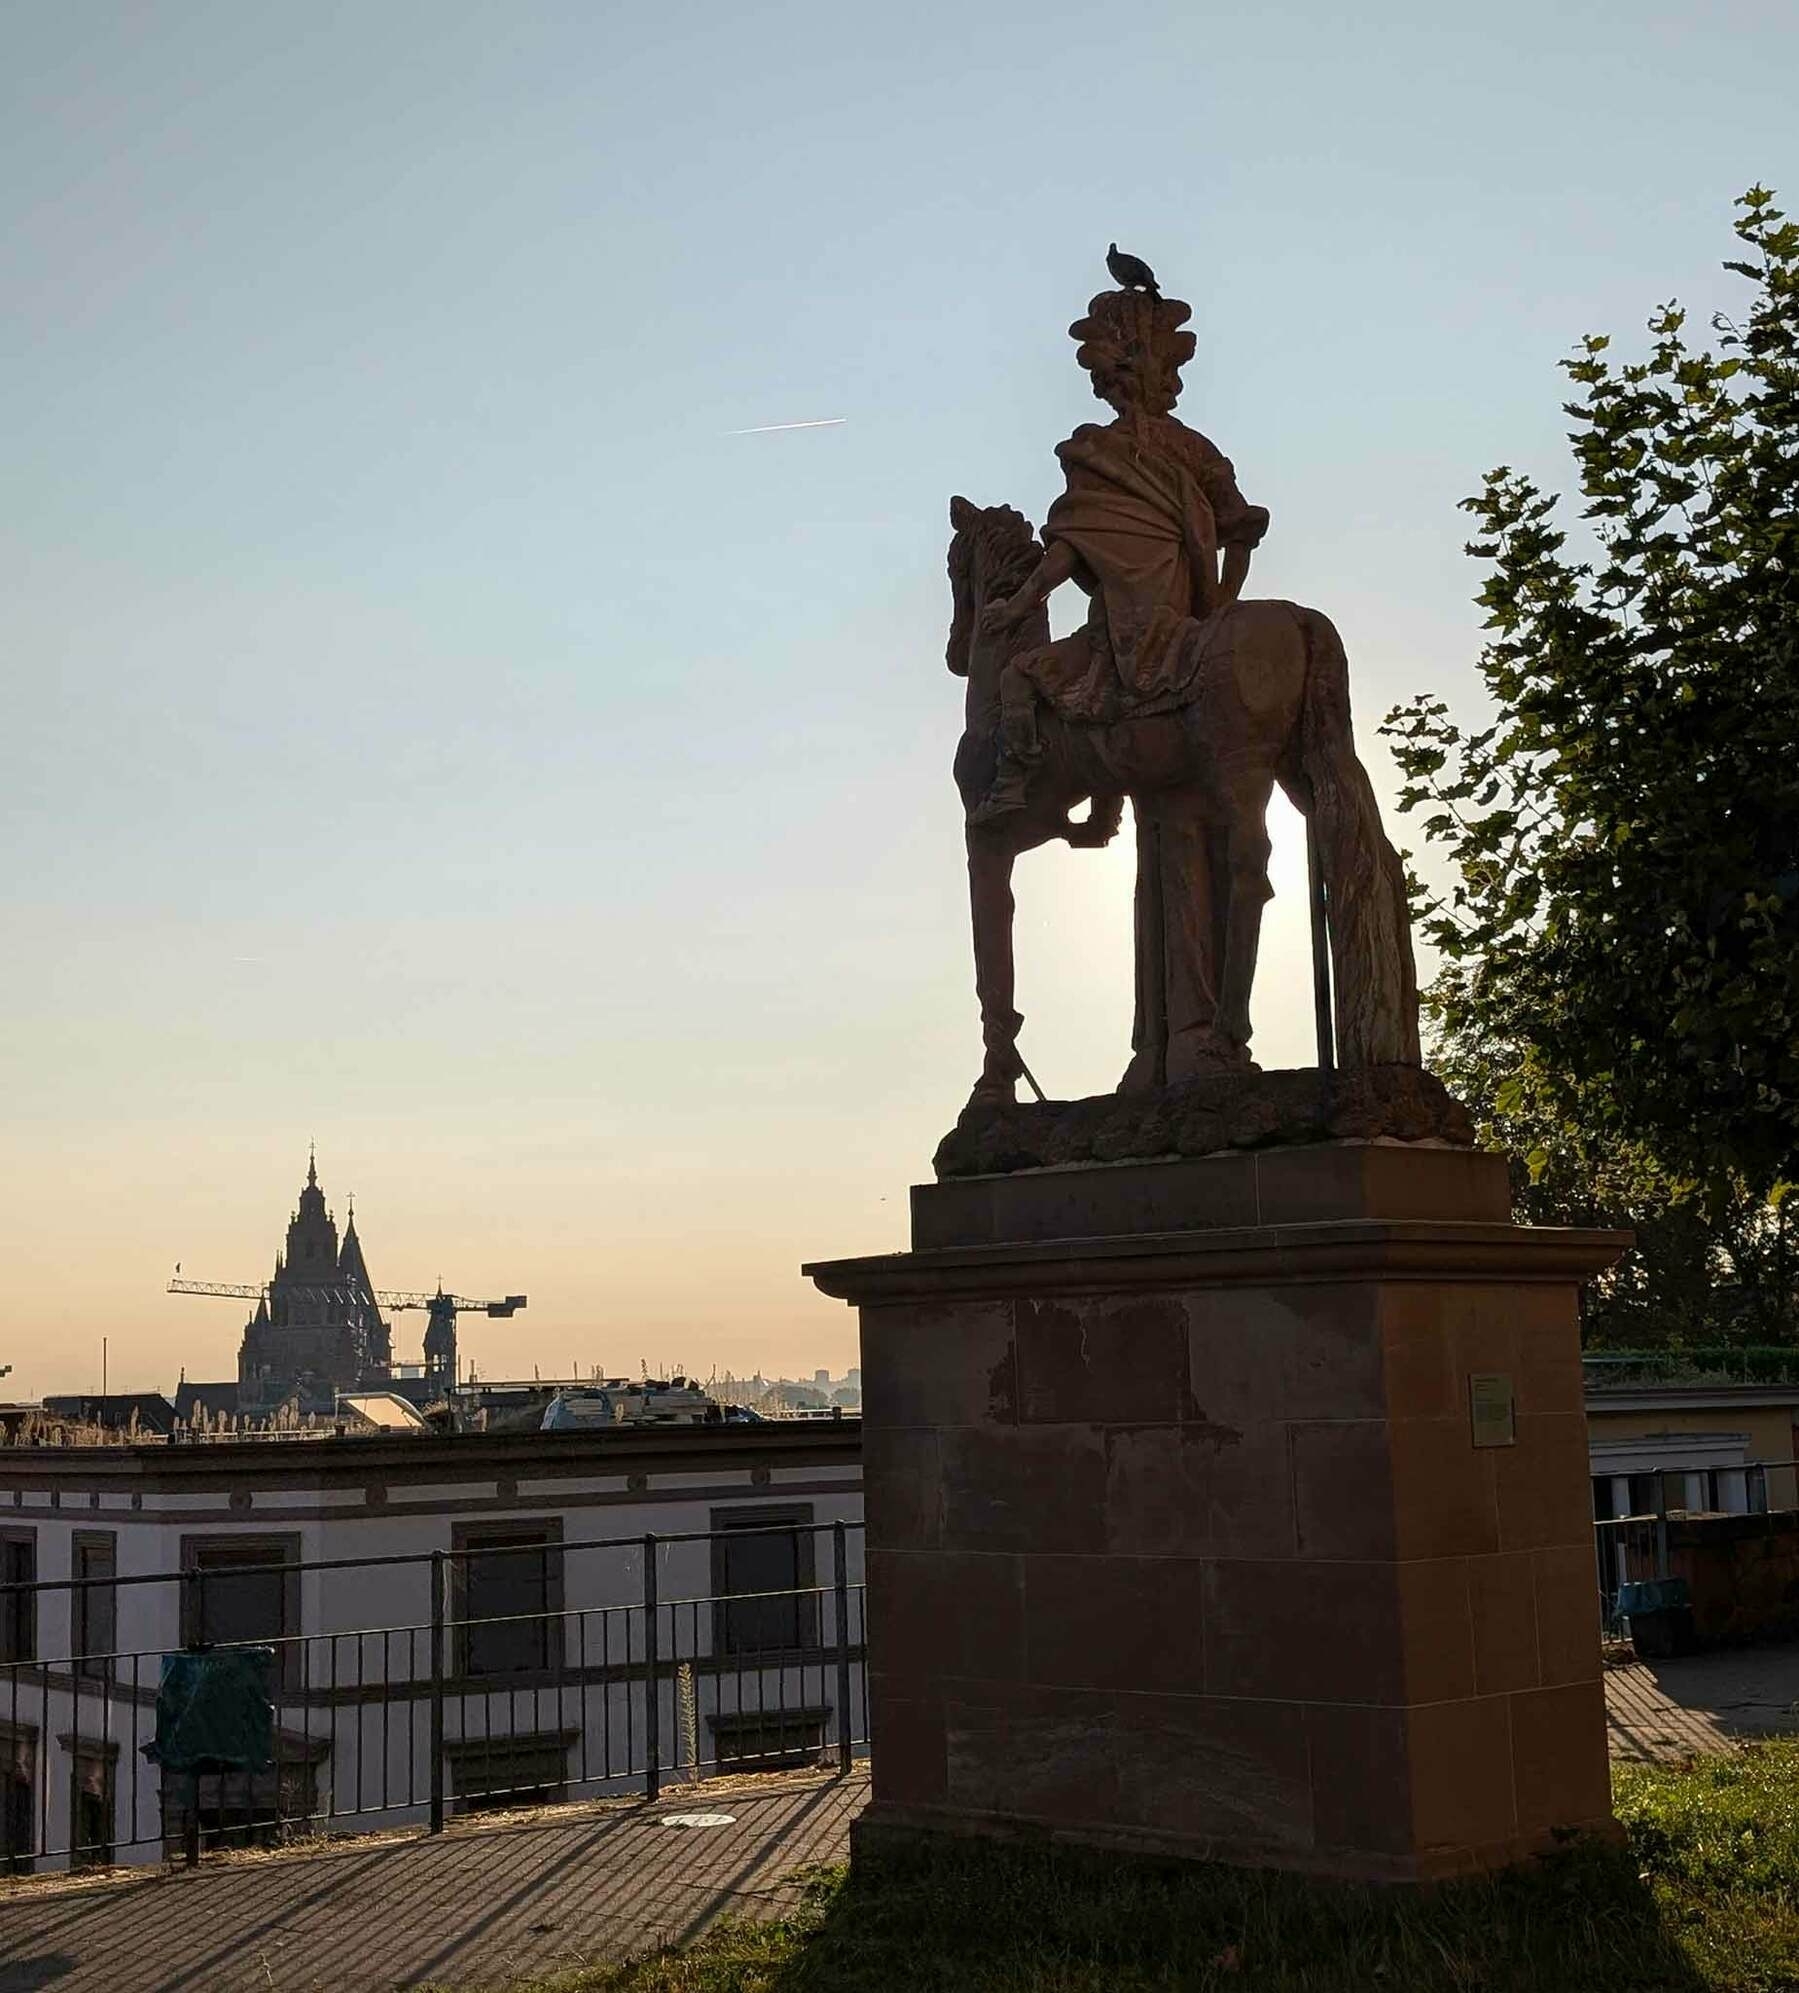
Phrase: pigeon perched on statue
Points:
(1130, 272)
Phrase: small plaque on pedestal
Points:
(1490, 1409)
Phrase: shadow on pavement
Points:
(475, 1907)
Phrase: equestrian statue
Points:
(1181, 697)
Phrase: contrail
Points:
(769, 428)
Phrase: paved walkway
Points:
(489, 1903)
(1658, 1710)
(478, 1907)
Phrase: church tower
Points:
(318, 1329)
(440, 1342)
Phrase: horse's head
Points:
(992, 554)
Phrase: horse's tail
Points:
(1372, 973)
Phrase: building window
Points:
(94, 1612)
(489, 1775)
(762, 1568)
(18, 1798)
(507, 1597)
(92, 1800)
(754, 1740)
(244, 1591)
(18, 1609)
(264, 1809)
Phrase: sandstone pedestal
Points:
(1236, 1508)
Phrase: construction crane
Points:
(440, 1331)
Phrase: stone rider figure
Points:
(1148, 508)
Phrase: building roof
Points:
(256, 1460)
(190, 1398)
(151, 1409)
(1708, 1396)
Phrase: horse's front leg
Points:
(990, 858)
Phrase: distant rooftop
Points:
(386, 1411)
(1708, 1367)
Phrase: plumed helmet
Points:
(1133, 345)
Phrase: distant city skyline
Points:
(486, 1343)
(454, 713)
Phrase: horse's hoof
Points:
(1207, 1057)
(1140, 1078)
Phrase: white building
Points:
(526, 1682)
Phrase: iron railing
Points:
(1633, 1549)
(609, 1671)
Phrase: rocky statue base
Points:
(1233, 1508)
(1200, 1117)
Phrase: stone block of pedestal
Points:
(1233, 1508)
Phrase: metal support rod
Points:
(437, 1691)
(1151, 914)
(1321, 954)
(840, 1560)
(652, 1691)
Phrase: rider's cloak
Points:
(1147, 504)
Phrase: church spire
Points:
(350, 1262)
(312, 1165)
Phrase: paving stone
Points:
(479, 1907)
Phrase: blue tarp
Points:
(214, 1712)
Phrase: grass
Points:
(1703, 1898)
(1717, 1845)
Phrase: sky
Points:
(429, 726)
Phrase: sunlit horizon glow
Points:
(427, 731)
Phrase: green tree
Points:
(1619, 990)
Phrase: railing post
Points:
(193, 1616)
(652, 1694)
(437, 1691)
(840, 1559)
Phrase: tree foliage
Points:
(1619, 988)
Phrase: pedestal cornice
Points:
(1346, 1249)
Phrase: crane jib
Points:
(451, 1304)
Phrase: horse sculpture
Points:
(1269, 705)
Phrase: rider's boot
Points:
(1009, 793)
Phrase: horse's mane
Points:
(998, 550)
(993, 554)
